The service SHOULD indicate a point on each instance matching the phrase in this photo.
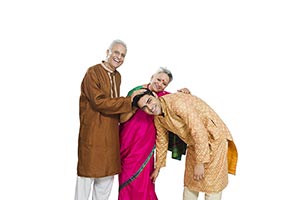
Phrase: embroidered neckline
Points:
(106, 68)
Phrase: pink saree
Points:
(137, 145)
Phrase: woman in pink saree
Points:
(137, 145)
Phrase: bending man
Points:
(211, 153)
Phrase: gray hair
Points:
(117, 41)
(166, 71)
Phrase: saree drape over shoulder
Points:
(137, 145)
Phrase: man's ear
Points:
(108, 52)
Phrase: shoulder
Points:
(162, 93)
(177, 100)
(171, 96)
(94, 68)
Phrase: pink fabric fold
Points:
(137, 143)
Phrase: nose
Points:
(160, 83)
(148, 108)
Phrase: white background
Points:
(241, 57)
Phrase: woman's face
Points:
(159, 82)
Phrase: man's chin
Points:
(116, 65)
(154, 113)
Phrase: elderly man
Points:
(100, 107)
(211, 153)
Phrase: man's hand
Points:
(136, 92)
(184, 90)
(199, 172)
(154, 175)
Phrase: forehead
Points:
(119, 47)
(143, 100)
(162, 76)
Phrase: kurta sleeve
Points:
(92, 86)
(126, 116)
(192, 118)
(161, 145)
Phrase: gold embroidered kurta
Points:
(206, 135)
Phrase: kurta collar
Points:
(106, 68)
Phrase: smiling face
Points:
(159, 82)
(116, 56)
(150, 104)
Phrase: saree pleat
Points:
(137, 143)
(138, 172)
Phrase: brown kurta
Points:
(207, 138)
(98, 143)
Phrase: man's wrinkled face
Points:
(116, 56)
(150, 105)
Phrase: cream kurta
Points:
(206, 135)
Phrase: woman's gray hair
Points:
(166, 71)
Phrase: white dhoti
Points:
(101, 187)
